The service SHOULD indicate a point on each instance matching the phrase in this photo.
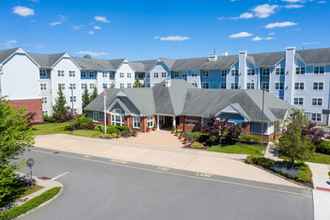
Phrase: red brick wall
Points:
(189, 123)
(33, 106)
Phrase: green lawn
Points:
(49, 128)
(239, 148)
(59, 128)
(31, 190)
(320, 158)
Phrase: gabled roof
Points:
(183, 99)
(315, 56)
(97, 64)
(46, 60)
(4, 54)
(265, 59)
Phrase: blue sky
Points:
(140, 29)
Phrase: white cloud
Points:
(293, 1)
(257, 38)
(173, 38)
(102, 19)
(93, 53)
(91, 32)
(265, 10)
(23, 11)
(246, 15)
(240, 35)
(9, 44)
(61, 19)
(294, 6)
(97, 28)
(280, 24)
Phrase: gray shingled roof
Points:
(265, 59)
(98, 65)
(315, 56)
(4, 54)
(143, 65)
(182, 99)
(46, 60)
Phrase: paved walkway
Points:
(171, 157)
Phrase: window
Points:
(205, 85)
(150, 122)
(84, 86)
(155, 75)
(250, 86)
(194, 84)
(72, 73)
(316, 117)
(318, 85)
(234, 86)
(122, 85)
(92, 86)
(234, 72)
(205, 73)
(298, 101)
(88, 75)
(105, 75)
(43, 86)
(129, 75)
(164, 74)
(122, 75)
(129, 85)
(136, 122)
(116, 119)
(251, 72)
(176, 75)
(299, 86)
(317, 101)
(72, 86)
(44, 100)
(44, 74)
(61, 86)
(60, 73)
(277, 71)
(279, 86)
(318, 69)
(73, 99)
(300, 70)
(112, 75)
(105, 85)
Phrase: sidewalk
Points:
(184, 159)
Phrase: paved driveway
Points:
(96, 188)
(177, 158)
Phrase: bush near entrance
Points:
(323, 147)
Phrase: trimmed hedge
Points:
(323, 147)
(29, 205)
(304, 174)
(197, 145)
(250, 139)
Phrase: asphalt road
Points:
(96, 188)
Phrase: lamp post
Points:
(30, 163)
(105, 110)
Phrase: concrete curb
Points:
(47, 202)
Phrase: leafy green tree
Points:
(85, 98)
(60, 110)
(294, 144)
(137, 84)
(15, 137)
(93, 95)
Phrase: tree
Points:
(85, 98)
(15, 137)
(93, 95)
(137, 84)
(294, 144)
(60, 110)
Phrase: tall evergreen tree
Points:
(60, 110)
(93, 95)
(85, 98)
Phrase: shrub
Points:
(260, 161)
(304, 174)
(193, 136)
(323, 147)
(329, 174)
(80, 122)
(29, 205)
(110, 136)
(197, 145)
(213, 140)
(49, 119)
(203, 138)
(250, 139)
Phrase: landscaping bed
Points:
(29, 205)
(299, 171)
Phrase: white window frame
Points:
(136, 122)
(117, 119)
(150, 122)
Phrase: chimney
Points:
(242, 69)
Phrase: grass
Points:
(59, 128)
(320, 158)
(49, 128)
(31, 190)
(239, 148)
(29, 205)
